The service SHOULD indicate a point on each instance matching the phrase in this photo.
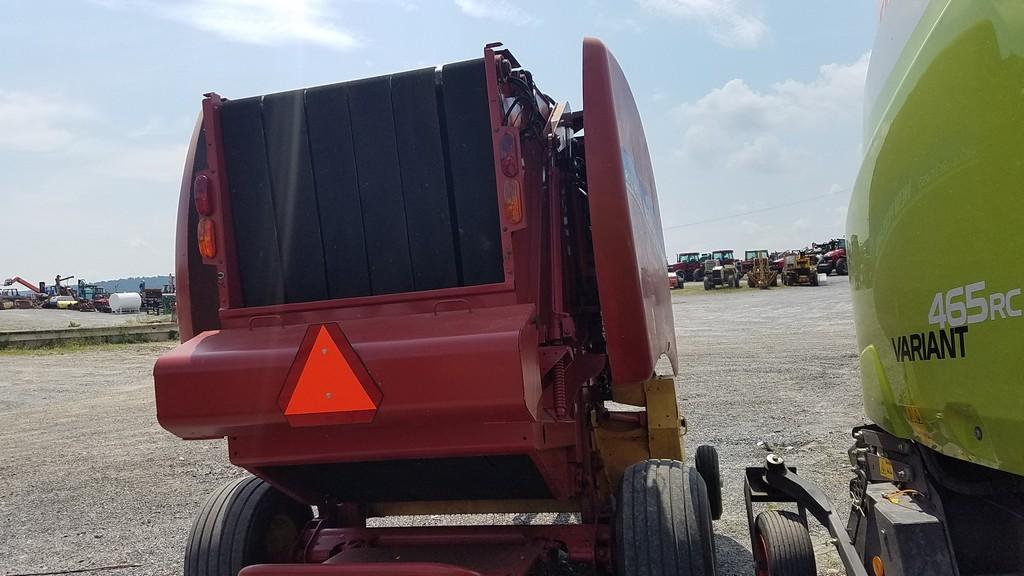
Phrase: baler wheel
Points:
(663, 522)
(706, 462)
(782, 545)
(246, 521)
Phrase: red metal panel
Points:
(191, 291)
(476, 365)
(629, 248)
(229, 289)
(276, 445)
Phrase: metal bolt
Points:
(902, 475)
(323, 351)
(328, 395)
(977, 432)
(775, 464)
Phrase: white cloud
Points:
(739, 127)
(163, 126)
(157, 164)
(495, 10)
(771, 167)
(263, 22)
(726, 20)
(37, 123)
(765, 153)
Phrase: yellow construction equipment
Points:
(799, 269)
(761, 274)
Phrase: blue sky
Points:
(747, 105)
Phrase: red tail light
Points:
(509, 158)
(202, 195)
(207, 238)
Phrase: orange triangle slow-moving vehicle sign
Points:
(328, 383)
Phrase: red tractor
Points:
(832, 257)
(686, 264)
(414, 294)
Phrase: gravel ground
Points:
(88, 478)
(776, 367)
(47, 319)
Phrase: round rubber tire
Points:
(663, 522)
(246, 521)
(705, 460)
(782, 545)
(842, 268)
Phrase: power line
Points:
(758, 211)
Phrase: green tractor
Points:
(939, 473)
(718, 273)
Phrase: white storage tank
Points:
(125, 302)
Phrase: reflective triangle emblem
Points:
(328, 383)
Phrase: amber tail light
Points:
(207, 238)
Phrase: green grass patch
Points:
(75, 345)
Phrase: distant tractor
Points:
(724, 256)
(687, 263)
(747, 264)
(761, 274)
(799, 269)
(717, 274)
(833, 257)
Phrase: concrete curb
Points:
(156, 332)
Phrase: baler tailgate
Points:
(629, 250)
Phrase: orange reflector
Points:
(329, 380)
(876, 565)
(207, 238)
(513, 202)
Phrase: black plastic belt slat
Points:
(380, 186)
(472, 165)
(341, 215)
(294, 193)
(424, 187)
(252, 205)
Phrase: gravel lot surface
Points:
(45, 319)
(88, 478)
(777, 367)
